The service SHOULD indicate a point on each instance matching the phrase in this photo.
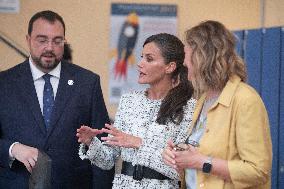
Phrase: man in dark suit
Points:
(42, 102)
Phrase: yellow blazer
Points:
(237, 131)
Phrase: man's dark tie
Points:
(48, 100)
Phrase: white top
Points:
(196, 134)
(136, 115)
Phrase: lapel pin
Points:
(70, 82)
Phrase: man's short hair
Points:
(46, 15)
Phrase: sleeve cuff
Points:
(84, 150)
(12, 158)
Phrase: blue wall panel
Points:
(270, 82)
(253, 56)
(281, 117)
(240, 42)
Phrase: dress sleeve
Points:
(99, 154)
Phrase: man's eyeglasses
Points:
(43, 42)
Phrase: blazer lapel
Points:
(64, 92)
(26, 85)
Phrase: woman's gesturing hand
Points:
(85, 134)
(120, 138)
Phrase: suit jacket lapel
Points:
(26, 85)
(64, 92)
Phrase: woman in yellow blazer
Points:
(230, 123)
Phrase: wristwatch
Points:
(207, 165)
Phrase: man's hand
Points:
(25, 154)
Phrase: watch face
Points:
(206, 167)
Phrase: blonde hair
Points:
(214, 57)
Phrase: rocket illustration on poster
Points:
(126, 43)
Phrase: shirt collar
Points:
(37, 74)
(225, 97)
(229, 90)
(227, 93)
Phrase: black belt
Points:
(139, 172)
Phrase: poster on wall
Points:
(130, 25)
(9, 6)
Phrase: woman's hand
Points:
(189, 158)
(168, 155)
(120, 138)
(179, 160)
(85, 134)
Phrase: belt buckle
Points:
(138, 172)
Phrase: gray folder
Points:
(41, 174)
